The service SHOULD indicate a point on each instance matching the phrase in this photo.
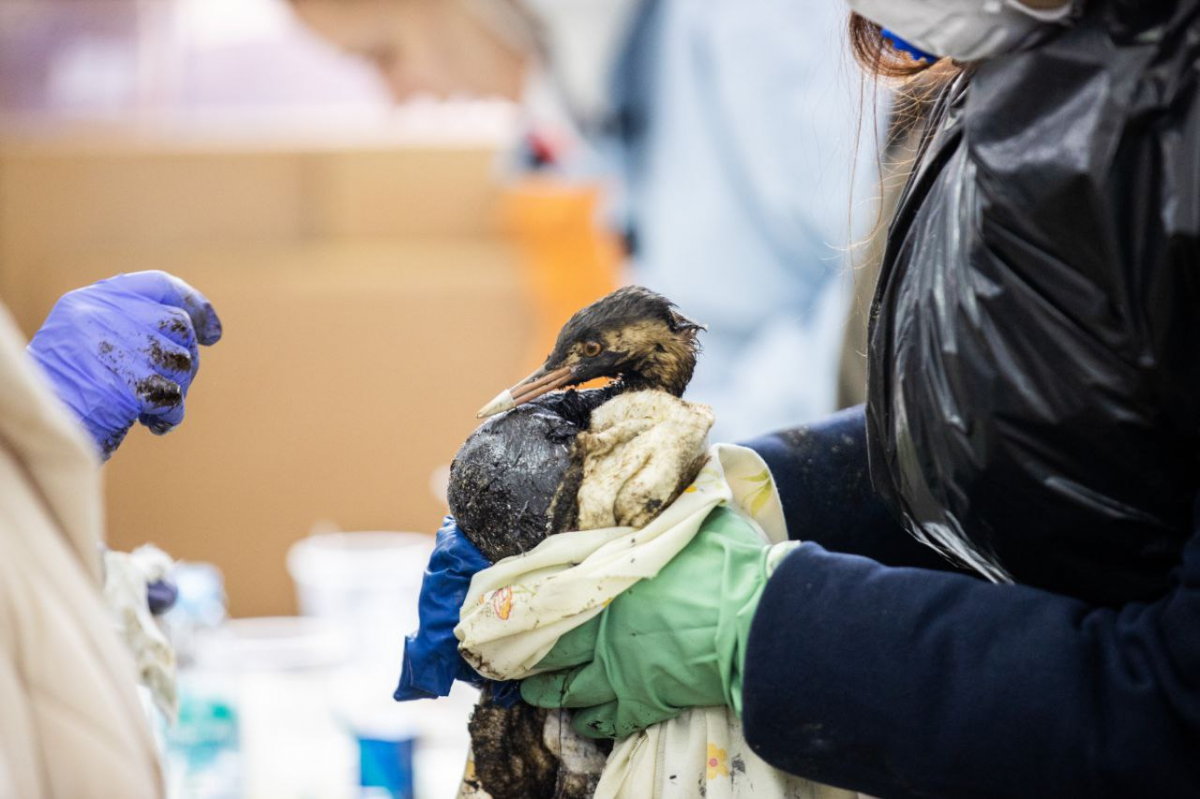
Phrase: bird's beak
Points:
(539, 383)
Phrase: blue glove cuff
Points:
(431, 659)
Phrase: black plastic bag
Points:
(1035, 347)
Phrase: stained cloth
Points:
(516, 610)
(127, 577)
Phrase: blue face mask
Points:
(967, 30)
(915, 53)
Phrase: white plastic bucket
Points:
(271, 678)
(367, 584)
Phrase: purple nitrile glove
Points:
(161, 596)
(125, 350)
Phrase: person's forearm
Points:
(825, 485)
(903, 682)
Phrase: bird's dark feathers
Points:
(644, 340)
(623, 308)
(514, 480)
(626, 305)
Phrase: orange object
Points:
(568, 260)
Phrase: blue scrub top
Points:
(735, 131)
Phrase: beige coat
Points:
(70, 722)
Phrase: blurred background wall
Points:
(376, 282)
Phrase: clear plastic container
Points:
(202, 749)
(259, 702)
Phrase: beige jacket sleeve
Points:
(70, 725)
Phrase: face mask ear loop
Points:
(1064, 13)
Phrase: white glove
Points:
(967, 30)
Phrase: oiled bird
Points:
(515, 479)
(518, 479)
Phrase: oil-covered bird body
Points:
(511, 483)
(517, 479)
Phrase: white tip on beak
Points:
(530, 388)
(503, 402)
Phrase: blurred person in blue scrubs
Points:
(728, 130)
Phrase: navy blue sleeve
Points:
(825, 485)
(902, 683)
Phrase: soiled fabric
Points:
(127, 578)
(640, 446)
(71, 724)
(516, 611)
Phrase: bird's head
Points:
(633, 335)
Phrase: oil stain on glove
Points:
(126, 350)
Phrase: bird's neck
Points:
(664, 371)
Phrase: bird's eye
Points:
(592, 349)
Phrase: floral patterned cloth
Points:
(700, 753)
(516, 611)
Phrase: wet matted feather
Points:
(506, 477)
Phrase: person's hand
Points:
(125, 350)
(431, 659)
(666, 644)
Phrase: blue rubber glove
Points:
(125, 350)
(431, 659)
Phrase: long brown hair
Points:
(876, 56)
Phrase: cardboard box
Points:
(371, 304)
